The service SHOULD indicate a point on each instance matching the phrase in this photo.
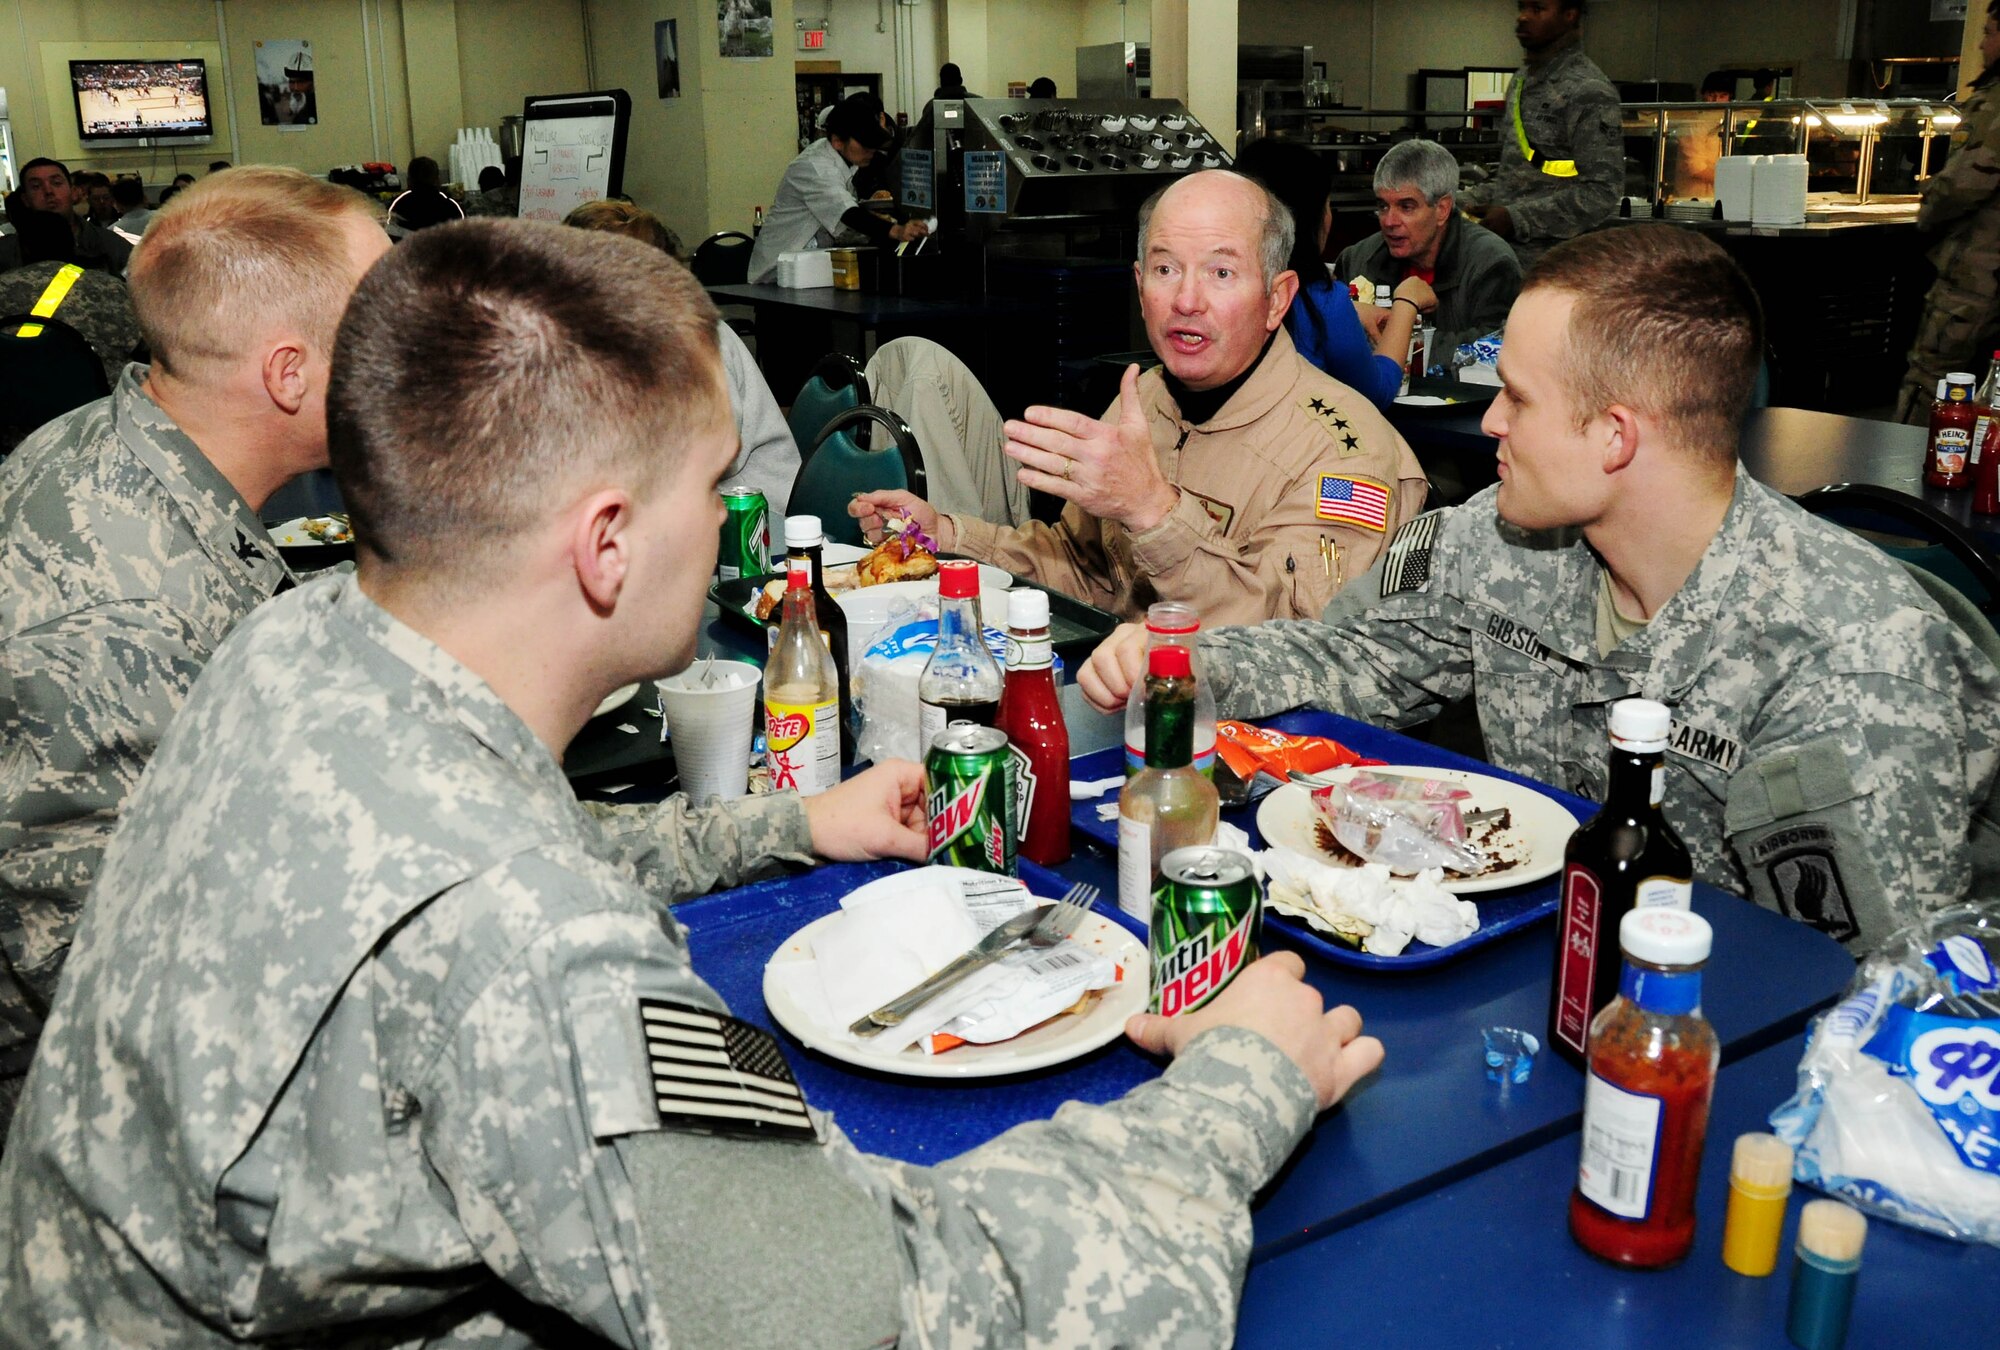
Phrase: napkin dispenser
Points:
(805, 270)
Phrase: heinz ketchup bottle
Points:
(1947, 464)
(1646, 1097)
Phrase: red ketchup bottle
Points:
(1646, 1097)
(1986, 470)
(1032, 718)
(1948, 462)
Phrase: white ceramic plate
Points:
(294, 534)
(616, 699)
(872, 604)
(1054, 1042)
(1534, 838)
(838, 555)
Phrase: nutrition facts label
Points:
(1621, 1134)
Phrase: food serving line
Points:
(1428, 1208)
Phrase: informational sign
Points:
(917, 182)
(572, 151)
(812, 39)
(986, 182)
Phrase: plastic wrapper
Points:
(1257, 759)
(1898, 1104)
(1024, 989)
(1408, 825)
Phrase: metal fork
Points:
(1044, 927)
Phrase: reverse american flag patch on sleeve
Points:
(714, 1074)
(1407, 564)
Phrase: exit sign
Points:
(812, 39)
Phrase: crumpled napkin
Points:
(1384, 912)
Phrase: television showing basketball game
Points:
(116, 100)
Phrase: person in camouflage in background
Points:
(1562, 150)
(1835, 735)
(129, 538)
(358, 1044)
(96, 304)
(1961, 204)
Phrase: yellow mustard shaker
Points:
(1760, 1180)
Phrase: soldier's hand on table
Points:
(1418, 292)
(875, 814)
(871, 509)
(1119, 662)
(1107, 468)
(1272, 999)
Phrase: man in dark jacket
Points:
(1474, 271)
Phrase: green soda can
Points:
(970, 810)
(1207, 910)
(746, 535)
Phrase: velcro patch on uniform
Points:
(1407, 564)
(1219, 512)
(1335, 424)
(1710, 747)
(1804, 873)
(713, 1074)
(1361, 502)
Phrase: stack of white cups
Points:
(474, 150)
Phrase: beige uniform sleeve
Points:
(1067, 556)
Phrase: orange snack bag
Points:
(1249, 749)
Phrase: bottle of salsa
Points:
(1646, 1097)
(1953, 417)
(1032, 717)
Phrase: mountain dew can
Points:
(967, 802)
(745, 550)
(1207, 912)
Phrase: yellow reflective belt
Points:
(52, 298)
(1554, 168)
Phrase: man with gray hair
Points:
(1473, 271)
(1238, 478)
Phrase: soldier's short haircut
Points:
(1665, 323)
(1425, 165)
(239, 253)
(1275, 233)
(487, 370)
(627, 218)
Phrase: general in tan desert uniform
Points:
(1237, 478)
(130, 543)
(361, 1040)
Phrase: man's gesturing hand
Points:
(1272, 999)
(1107, 468)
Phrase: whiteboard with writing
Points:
(572, 151)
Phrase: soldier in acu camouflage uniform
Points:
(1835, 735)
(1962, 204)
(96, 304)
(1562, 153)
(351, 1047)
(129, 537)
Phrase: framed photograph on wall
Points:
(744, 27)
(667, 56)
(286, 96)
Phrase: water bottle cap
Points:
(803, 531)
(1027, 608)
(1640, 725)
(958, 579)
(1170, 662)
(1665, 937)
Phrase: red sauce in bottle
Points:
(1031, 715)
(1986, 470)
(1652, 1074)
(1948, 462)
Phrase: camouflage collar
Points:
(463, 696)
(216, 514)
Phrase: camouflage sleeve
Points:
(1391, 659)
(1126, 1224)
(91, 695)
(1067, 556)
(1851, 809)
(680, 851)
(1970, 177)
(1597, 146)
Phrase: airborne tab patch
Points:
(1407, 564)
(715, 1075)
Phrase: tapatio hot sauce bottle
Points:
(1031, 715)
(1625, 857)
(1948, 463)
(1646, 1097)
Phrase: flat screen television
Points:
(120, 100)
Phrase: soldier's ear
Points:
(600, 546)
(286, 382)
(1621, 433)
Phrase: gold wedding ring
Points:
(1068, 464)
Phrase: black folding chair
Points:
(1939, 545)
(43, 376)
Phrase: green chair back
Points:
(837, 467)
(836, 385)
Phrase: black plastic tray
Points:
(1075, 628)
(1464, 398)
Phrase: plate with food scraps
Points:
(1062, 1038)
(1525, 843)
(313, 532)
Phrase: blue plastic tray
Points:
(1500, 912)
(922, 1120)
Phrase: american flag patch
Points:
(1354, 501)
(1407, 565)
(717, 1075)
